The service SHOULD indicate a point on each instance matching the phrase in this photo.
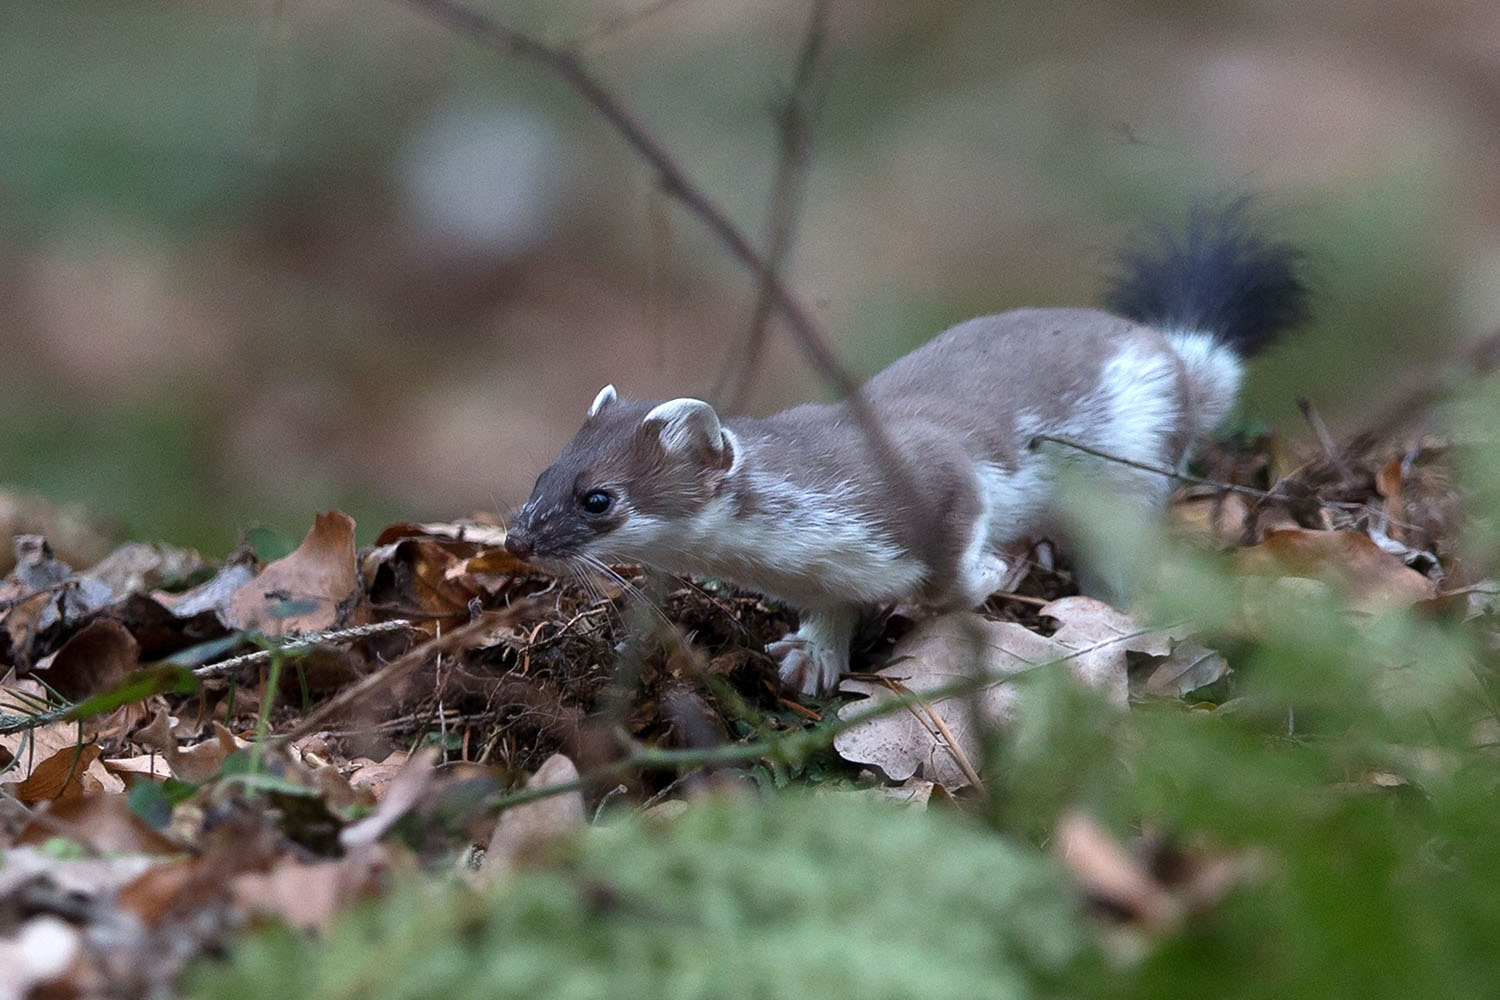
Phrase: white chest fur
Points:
(806, 545)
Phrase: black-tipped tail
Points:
(1219, 277)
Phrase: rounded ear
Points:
(688, 425)
(605, 397)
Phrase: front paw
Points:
(806, 665)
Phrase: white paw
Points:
(806, 665)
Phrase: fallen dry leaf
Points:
(1184, 670)
(61, 775)
(374, 777)
(95, 659)
(308, 895)
(914, 792)
(303, 591)
(420, 574)
(1111, 876)
(157, 890)
(1374, 579)
(477, 534)
(525, 827)
(1157, 886)
(33, 748)
(1098, 637)
(939, 739)
(193, 764)
(215, 594)
(102, 822)
(408, 787)
(139, 568)
(152, 765)
(47, 592)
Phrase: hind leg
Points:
(1109, 562)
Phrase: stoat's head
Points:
(627, 484)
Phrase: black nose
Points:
(518, 545)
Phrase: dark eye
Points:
(596, 502)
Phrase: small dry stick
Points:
(1480, 358)
(330, 637)
(400, 667)
(1161, 470)
(794, 130)
(950, 742)
(1320, 429)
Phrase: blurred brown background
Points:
(258, 260)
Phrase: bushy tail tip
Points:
(1218, 277)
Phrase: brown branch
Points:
(793, 132)
(670, 175)
(1480, 358)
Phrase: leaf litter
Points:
(402, 690)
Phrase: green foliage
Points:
(154, 802)
(797, 896)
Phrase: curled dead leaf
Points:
(308, 895)
(139, 568)
(61, 775)
(305, 590)
(405, 790)
(216, 594)
(1111, 876)
(420, 574)
(1374, 578)
(1184, 670)
(193, 764)
(1155, 887)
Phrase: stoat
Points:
(799, 506)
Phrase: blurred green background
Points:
(258, 260)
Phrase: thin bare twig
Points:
(794, 133)
(934, 721)
(329, 637)
(1162, 470)
(1479, 358)
(1325, 440)
(670, 175)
